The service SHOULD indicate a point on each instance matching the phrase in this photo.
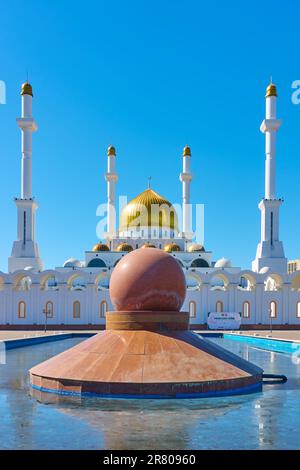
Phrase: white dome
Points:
(29, 268)
(72, 263)
(223, 263)
(264, 270)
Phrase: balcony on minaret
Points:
(270, 125)
(27, 124)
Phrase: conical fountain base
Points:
(147, 355)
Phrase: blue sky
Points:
(149, 77)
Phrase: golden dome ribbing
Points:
(148, 209)
(172, 247)
(124, 247)
(100, 247)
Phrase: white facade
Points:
(78, 292)
(80, 296)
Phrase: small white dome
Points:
(29, 268)
(72, 263)
(264, 270)
(223, 263)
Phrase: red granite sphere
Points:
(148, 280)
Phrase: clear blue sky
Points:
(149, 77)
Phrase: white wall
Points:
(205, 297)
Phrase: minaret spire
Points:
(25, 250)
(270, 252)
(111, 178)
(186, 178)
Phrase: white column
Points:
(186, 178)
(27, 125)
(204, 295)
(25, 251)
(270, 251)
(111, 178)
(270, 126)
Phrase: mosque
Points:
(77, 293)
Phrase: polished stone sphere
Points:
(148, 280)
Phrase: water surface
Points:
(267, 420)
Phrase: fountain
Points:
(147, 349)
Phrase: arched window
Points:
(103, 308)
(199, 263)
(76, 309)
(246, 310)
(298, 310)
(49, 309)
(22, 309)
(96, 263)
(25, 283)
(273, 309)
(77, 283)
(219, 306)
(219, 282)
(192, 309)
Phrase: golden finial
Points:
(26, 89)
(271, 89)
(187, 151)
(111, 151)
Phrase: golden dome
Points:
(187, 151)
(195, 247)
(124, 247)
(100, 247)
(172, 247)
(271, 90)
(148, 245)
(111, 151)
(137, 213)
(26, 89)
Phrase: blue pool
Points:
(267, 420)
(283, 346)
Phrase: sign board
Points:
(224, 321)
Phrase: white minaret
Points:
(25, 252)
(186, 178)
(111, 178)
(270, 252)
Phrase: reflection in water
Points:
(31, 419)
(153, 424)
(147, 424)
